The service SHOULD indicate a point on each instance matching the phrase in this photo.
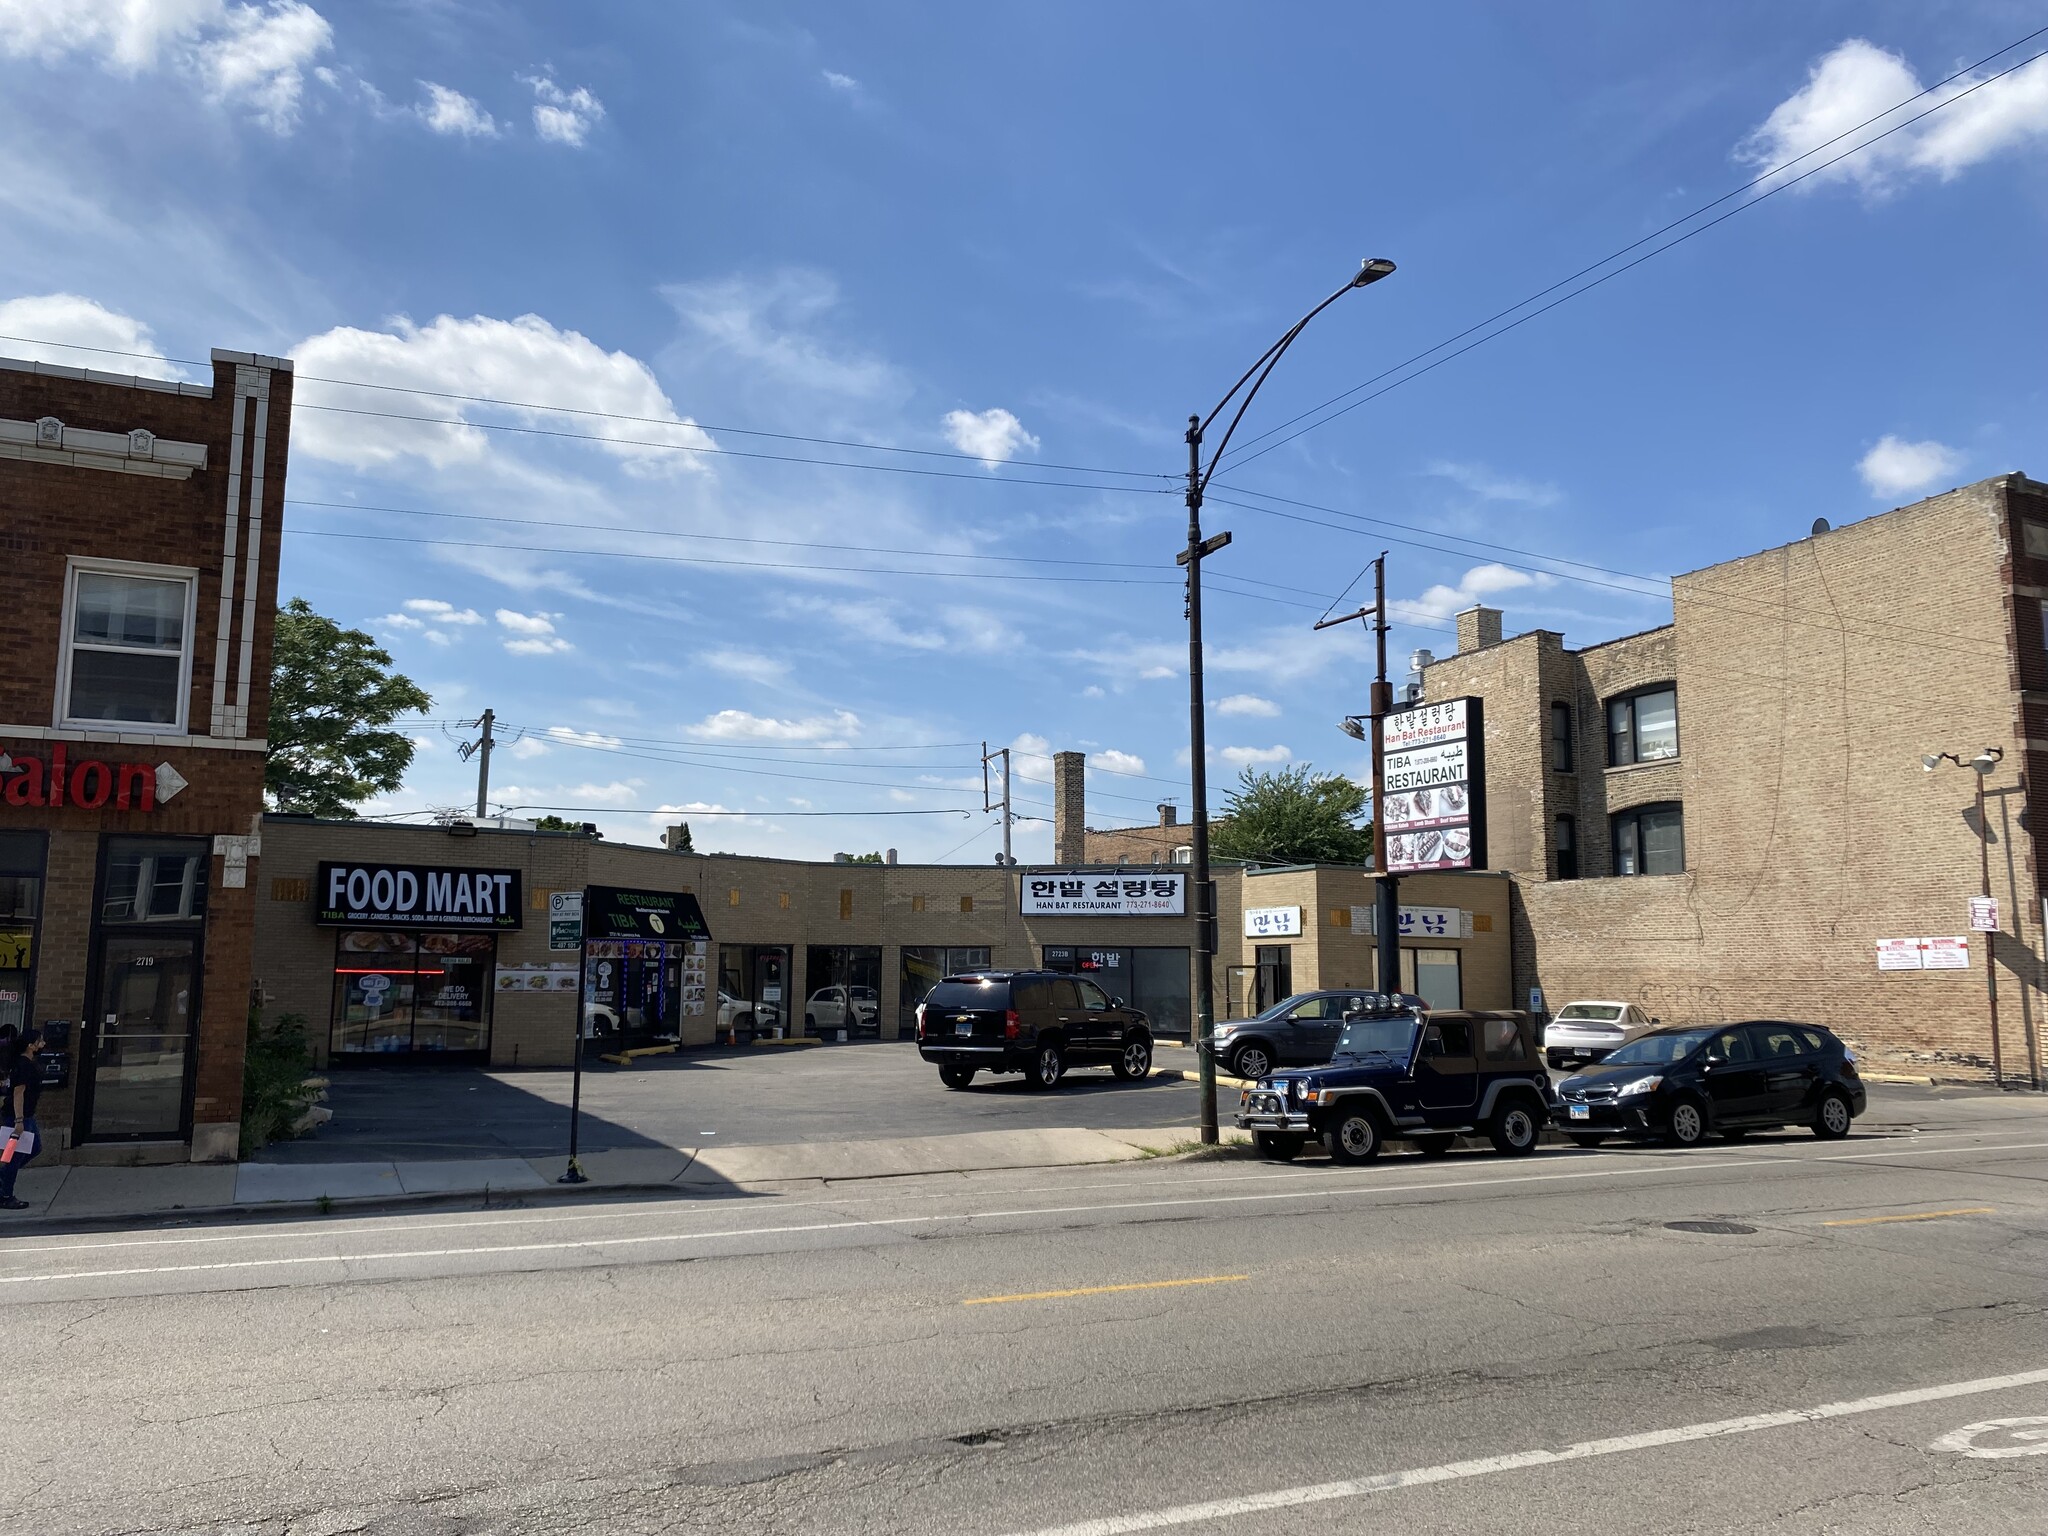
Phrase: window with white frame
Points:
(127, 646)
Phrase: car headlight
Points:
(1640, 1085)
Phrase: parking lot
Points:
(747, 1096)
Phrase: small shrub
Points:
(274, 1089)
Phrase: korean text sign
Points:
(1054, 894)
(1435, 787)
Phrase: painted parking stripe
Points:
(1874, 1221)
(1103, 1290)
(1487, 1466)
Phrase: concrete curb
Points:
(1909, 1079)
(365, 1205)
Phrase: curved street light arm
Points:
(1263, 368)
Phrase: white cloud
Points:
(563, 117)
(1155, 673)
(449, 112)
(739, 725)
(993, 436)
(575, 738)
(872, 620)
(768, 323)
(1857, 80)
(1488, 486)
(252, 56)
(751, 665)
(1093, 692)
(1109, 760)
(1241, 757)
(1030, 744)
(1898, 468)
(839, 82)
(61, 317)
(1248, 704)
(528, 747)
(441, 612)
(399, 621)
(536, 632)
(1475, 586)
(526, 359)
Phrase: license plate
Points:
(964, 1028)
(1581, 1112)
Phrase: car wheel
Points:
(743, 1021)
(956, 1077)
(1353, 1137)
(1433, 1146)
(1833, 1120)
(1278, 1146)
(1515, 1129)
(1687, 1124)
(1581, 1139)
(1252, 1061)
(1049, 1065)
(1136, 1061)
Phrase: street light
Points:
(1981, 765)
(1354, 726)
(1369, 271)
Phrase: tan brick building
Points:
(1725, 817)
(800, 947)
(140, 522)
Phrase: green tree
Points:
(1294, 816)
(554, 823)
(859, 858)
(683, 842)
(332, 695)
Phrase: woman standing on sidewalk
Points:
(23, 1142)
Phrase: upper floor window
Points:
(1650, 840)
(2034, 537)
(1642, 727)
(1561, 738)
(1567, 848)
(127, 651)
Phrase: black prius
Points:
(1680, 1083)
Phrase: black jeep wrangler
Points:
(1397, 1073)
(1035, 1022)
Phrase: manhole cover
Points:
(1711, 1228)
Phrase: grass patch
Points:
(1198, 1151)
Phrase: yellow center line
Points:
(1871, 1221)
(1104, 1290)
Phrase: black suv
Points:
(1397, 1073)
(1299, 1031)
(1680, 1083)
(1035, 1022)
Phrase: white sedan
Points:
(1587, 1032)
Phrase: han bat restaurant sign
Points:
(415, 896)
(1435, 787)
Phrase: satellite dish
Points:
(1820, 526)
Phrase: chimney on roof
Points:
(1169, 815)
(1478, 627)
(1070, 807)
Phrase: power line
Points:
(1246, 452)
(694, 812)
(573, 410)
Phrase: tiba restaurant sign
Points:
(89, 783)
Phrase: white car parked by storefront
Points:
(1587, 1032)
(857, 1010)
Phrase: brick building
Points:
(794, 946)
(1727, 816)
(140, 521)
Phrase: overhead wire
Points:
(1246, 452)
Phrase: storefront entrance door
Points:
(135, 1072)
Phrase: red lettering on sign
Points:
(26, 787)
(135, 788)
(56, 796)
(87, 794)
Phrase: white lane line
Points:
(646, 1211)
(1318, 1193)
(1486, 1466)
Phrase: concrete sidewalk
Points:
(59, 1196)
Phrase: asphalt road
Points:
(746, 1097)
(1471, 1344)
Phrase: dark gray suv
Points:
(1300, 1031)
(1035, 1022)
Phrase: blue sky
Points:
(1027, 237)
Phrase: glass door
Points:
(145, 1013)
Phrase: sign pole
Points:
(574, 1174)
(1990, 939)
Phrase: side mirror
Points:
(1656, 1021)
(1116, 1002)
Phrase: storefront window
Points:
(1434, 976)
(844, 984)
(21, 903)
(632, 995)
(1155, 979)
(407, 994)
(753, 982)
(924, 966)
(154, 881)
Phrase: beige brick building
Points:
(1725, 817)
